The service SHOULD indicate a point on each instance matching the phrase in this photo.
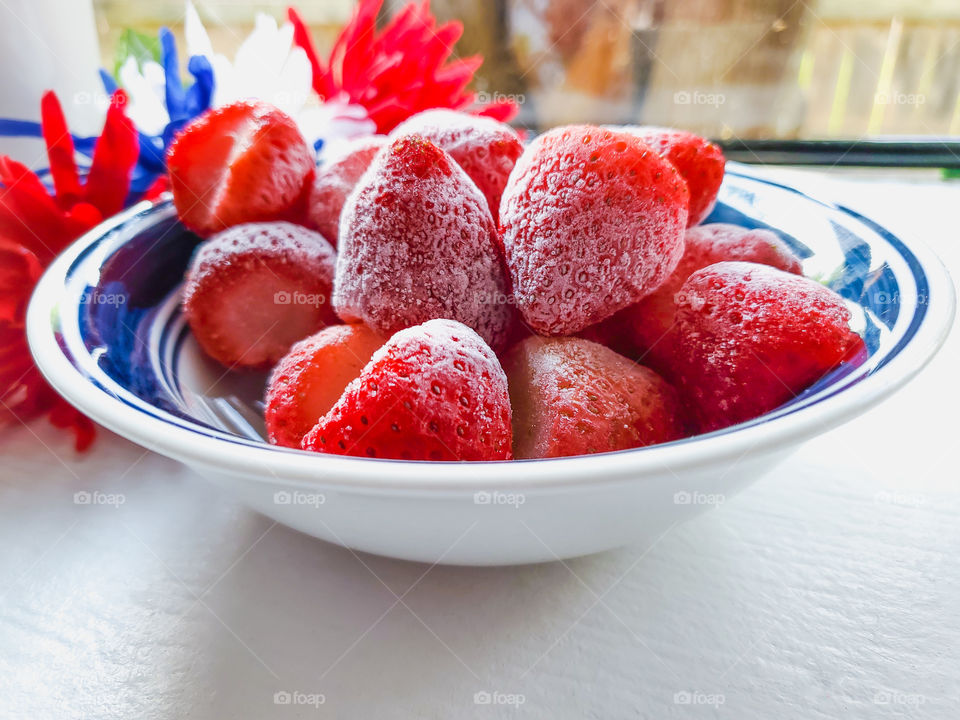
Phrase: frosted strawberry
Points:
(699, 161)
(434, 391)
(309, 379)
(751, 337)
(592, 221)
(485, 148)
(571, 396)
(243, 162)
(646, 329)
(417, 242)
(334, 181)
(255, 289)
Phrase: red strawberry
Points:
(255, 289)
(646, 329)
(698, 160)
(307, 382)
(434, 392)
(334, 181)
(243, 162)
(751, 337)
(485, 148)
(572, 397)
(592, 221)
(417, 242)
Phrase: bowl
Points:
(105, 327)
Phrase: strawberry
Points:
(334, 181)
(309, 379)
(571, 396)
(433, 392)
(485, 148)
(646, 329)
(592, 221)
(699, 161)
(243, 162)
(255, 289)
(417, 242)
(751, 337)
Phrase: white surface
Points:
(49, 45)
(827, 590)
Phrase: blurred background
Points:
(753, 69)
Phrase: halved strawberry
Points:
(310, 378)
(646, 330)
(751, 337)
(243, 162)
(592, 221)
(255, 289)
(434, 391)
(571, 396)
(485, 148)
(417, 242)
(334, 181)
(699, 161)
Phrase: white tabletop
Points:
(830, 589)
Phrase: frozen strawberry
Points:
(243, 162)
(751, 337)
(334, 181)
(434, 391)
(417, 242)
(699, 161)
(646, 329)
(485, 148)
(592, 221)
(571, 396)
(310, 378)
(255, 289)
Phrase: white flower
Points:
(147, 105)
(268, 66)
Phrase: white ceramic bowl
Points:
(105, 328)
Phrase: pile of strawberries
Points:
(445, 293)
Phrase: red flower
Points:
(35, 227)
(399, 71)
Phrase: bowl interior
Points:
(118, 320)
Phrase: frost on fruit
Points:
(486, 149)
(592, 220)
(417, 243)
(334, 181)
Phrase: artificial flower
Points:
(270, 67)
(398, 71)
(160, 105)
(35, 226)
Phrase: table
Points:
(830, 589)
